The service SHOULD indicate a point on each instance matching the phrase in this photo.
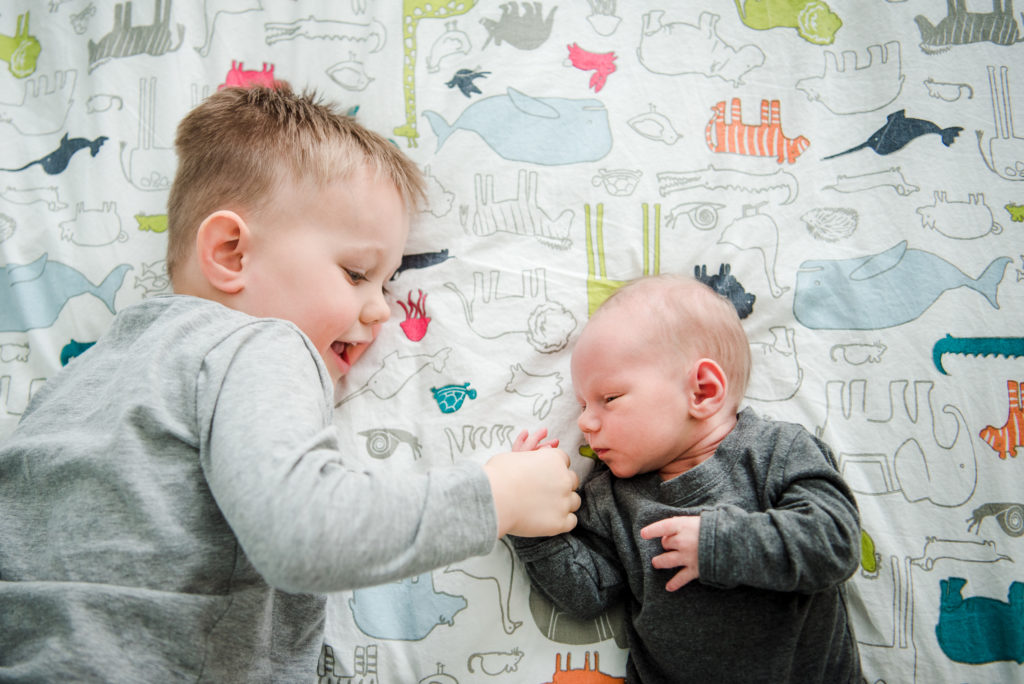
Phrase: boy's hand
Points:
(680, 536)
(527, 442)
(534, 492)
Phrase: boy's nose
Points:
(376, 310)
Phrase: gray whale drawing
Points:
(541, 130)
(882, 290)
(33, 295)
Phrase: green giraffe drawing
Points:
(599, 285)
(21, 50)
(812, 19)
(412, 12)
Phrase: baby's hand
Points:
(680, 537)
(527, 442)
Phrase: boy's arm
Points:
(313, 519)
(807, 541)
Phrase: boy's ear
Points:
(221, 245)
(708, 387)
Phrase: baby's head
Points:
(659, 372)
(684, 318)
(283, 207)
(239, 146)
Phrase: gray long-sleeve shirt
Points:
(779, 535)
(173, 503)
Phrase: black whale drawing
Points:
(898, 131)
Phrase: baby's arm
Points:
(807, 540)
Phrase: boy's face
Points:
(633, 396)
(321, 257)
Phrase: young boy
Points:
(728, 536)
(174, 503)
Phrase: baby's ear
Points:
(708, 388)
(221, 245)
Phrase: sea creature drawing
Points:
(541, 130)
(1005, 150)
(713, 178)
(1006, 438)
(900, 130)
(127, 40)
(812, 19)
(463, 80)
(32, 295)
(526, 29)
(959, 220)
(960, 27)
(678, 48)
(867, 285)
(830, 224)
(55, 162)
(852, 88)
(416, 319)
(382, 442)
(980, 629)
(1010, 517)
(976, 346)
(764, 139)
(21, 50)
(601, 63)
(395, 371)
(422, 260)
(891, 178)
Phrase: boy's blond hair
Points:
(691, 318)
(235, 147)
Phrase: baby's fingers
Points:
(681, 579)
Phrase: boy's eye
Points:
(354, 276)
(612, 398)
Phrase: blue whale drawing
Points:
(541, 130)
(32, 295)
(882, 290)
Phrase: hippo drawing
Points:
(541, 130)
(408, 609)
(33, 295)
(882, 290)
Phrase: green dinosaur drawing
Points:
(599, 285)
(412, 12)
(21, 50)
(812, 19)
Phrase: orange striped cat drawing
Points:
(762, 140)
(584, 676)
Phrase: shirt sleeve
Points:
(309, 519)
(578, 570)
(807, 540)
